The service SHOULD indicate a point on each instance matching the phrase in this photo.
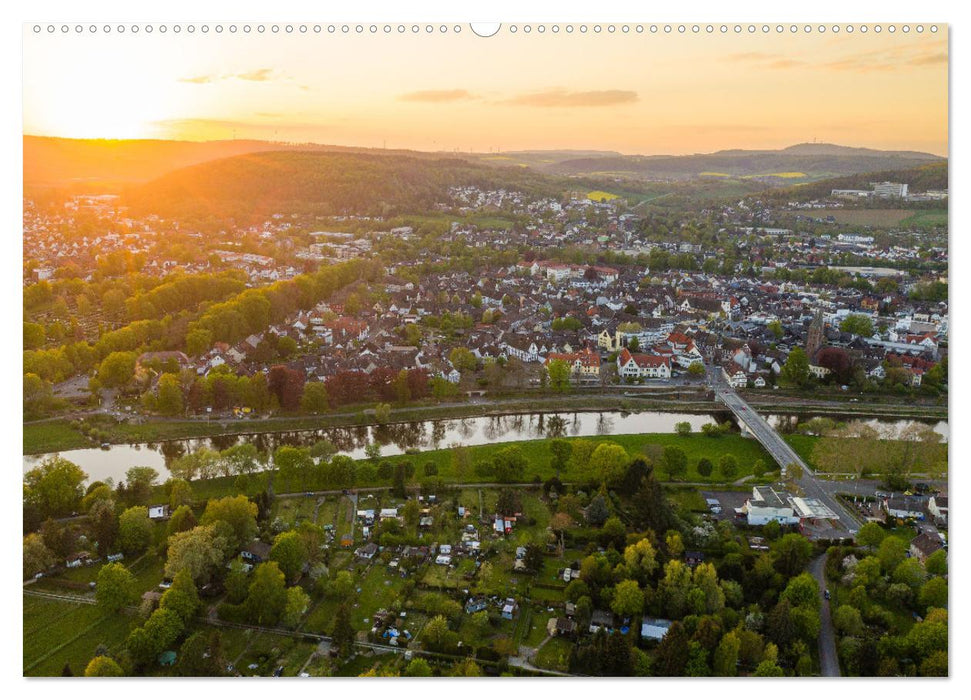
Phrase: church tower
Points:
(815, 339)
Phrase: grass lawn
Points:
(555, 655)
(57, 632)
(536, 632)
(52, 436)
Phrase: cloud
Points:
(259, 75)
(564, 98)
(436, 96)
(915, 54)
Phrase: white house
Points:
(636, 365)
(766, 505)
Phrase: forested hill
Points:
(810, 161)
(932, 176)
(260, 184)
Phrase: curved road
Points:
(829, 664)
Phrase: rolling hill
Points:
(807, 161)
(323, 183)
(96, 164)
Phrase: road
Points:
(829, 664)
(781, 452)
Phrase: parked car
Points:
(826, 594)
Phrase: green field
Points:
(887, 218)
(58, 633)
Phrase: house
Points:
(367, 552)
(937, 506)
(561, 626)
(924, 545)
(583, 364)
(637, 365)
(766, 505)
(443, 559)
(601, 620)
(509, 609)
(256, 552)
(654, 629)
(903, 507)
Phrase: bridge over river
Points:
(818, 494)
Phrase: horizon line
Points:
(474, 152)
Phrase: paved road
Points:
(829, 664)
(782, 453)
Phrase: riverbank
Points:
(58, 435)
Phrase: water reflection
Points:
(398, 437)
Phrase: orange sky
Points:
(635, 93)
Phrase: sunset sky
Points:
(635, 93)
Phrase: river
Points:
(397, 438)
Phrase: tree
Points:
(792, 554)
(936, 563)
(37, 557)
(297, 603)
(726, 656)
(559, 374)
(314, 399)
(933, 594)
(117, 369)
(164, 626)
(510, 464)
(728, 466)
(138, 485)
(289, 552)
(115, 587)
(641, 560)
(436, 633)
(462, 359)
(236, 511)
(182, 598)
(135, 529)
(169, 390)
(343, 630)
(286, 385)
(910, 572)
(103, 667)
(758, 469)
(696, 369)
(628, 599)
(795, 371)
(54, 487)
(672, 653)
(891, 552)
(267, 596)
(683, 428)
(802, 591)
(848, 621)
(182, 519)
(294, 464)
(705, 467)
(776, 329)
(597, 512)
(199, 550)
(857, 324)
(418, 668)
(675, 462)
(607, 463)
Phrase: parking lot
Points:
(728, 500)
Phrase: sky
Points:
(634, 93)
